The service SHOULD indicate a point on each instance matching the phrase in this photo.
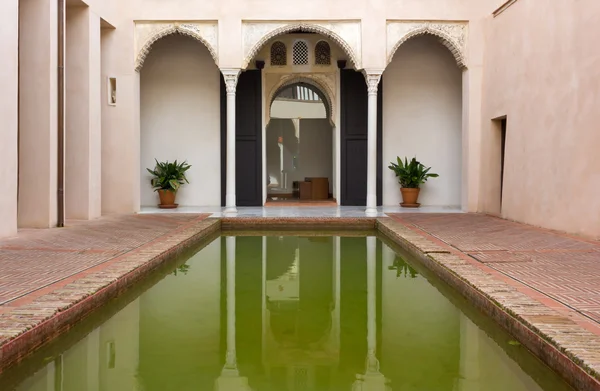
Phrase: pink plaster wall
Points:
(542, 70)
(9, 31)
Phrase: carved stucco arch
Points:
(288, 80)
(451, 35)
(307, 27)
(192, 30)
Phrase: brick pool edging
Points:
(558, 341)
(566, 347)
(26, 328)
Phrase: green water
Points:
(286, 313)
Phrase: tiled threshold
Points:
(562, 344)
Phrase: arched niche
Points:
(146, 34)
(324, 90)
(453, 35)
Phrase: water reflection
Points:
(291, 314)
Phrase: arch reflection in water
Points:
(289, 313)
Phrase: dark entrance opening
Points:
(354, 123)
(502, 156)
(248, 139)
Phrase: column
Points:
(38, 113)
(9, 60)
(373, 379)
(469, 356)
(372, 77)
(230, 379)
(83, 116)
(231, 79)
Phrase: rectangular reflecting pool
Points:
(286, 313)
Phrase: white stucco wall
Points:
(180, 118)
(422, 117)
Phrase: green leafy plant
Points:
(411, 174)
(168, 176)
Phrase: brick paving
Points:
(562, 267)
(38, 258)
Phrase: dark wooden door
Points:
(248, 139)
(354, 122)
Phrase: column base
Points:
(230, 210)
(230, 200)
(371, 211)
(371, 204)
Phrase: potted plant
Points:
(410, 176)
(167, 177)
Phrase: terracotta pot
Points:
(409, 197)
(167, 199)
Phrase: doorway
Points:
(299, 148)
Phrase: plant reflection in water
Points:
(403, 269)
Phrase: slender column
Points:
(230, 359)
(372, 78)
(230, 379)
(373, 379)
(264, 298)
(231, 79)
(372, 362)
(469, 379)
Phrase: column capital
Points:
(231, 76)
(372, 77)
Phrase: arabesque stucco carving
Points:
(147, 33)
(324, 82)
(453, 35)
(346, 34)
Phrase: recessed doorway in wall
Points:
(299, 146)
(497, 164)
(502, 156)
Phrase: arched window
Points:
(322, 53)
(278, 54)
(300, 53)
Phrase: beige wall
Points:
(38, 113)
(9, 31)
(83, 116)
(422, 117)
(180, 114)
(542, 70)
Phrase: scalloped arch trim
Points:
(288, 81)
(308, 27)
(444, 39)
(175, 28)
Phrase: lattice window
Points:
(300, 53)
(322, 53)
(278, 54)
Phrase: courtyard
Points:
(341, 195)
